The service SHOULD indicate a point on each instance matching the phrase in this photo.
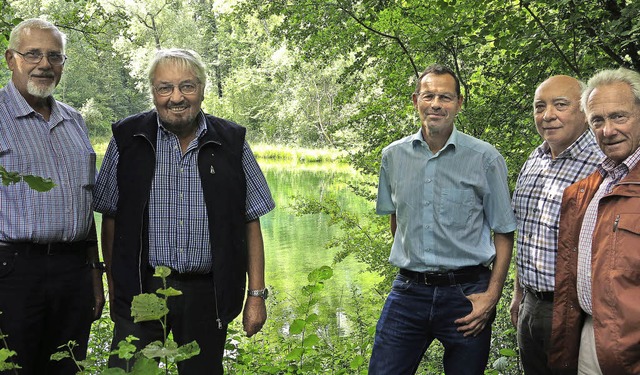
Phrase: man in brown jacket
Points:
(596, 316)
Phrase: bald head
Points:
(557, 114)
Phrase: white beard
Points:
(39, 91)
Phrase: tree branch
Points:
(575, 69)
(384, 35)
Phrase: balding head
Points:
(557, 114)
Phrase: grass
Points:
(263, 152)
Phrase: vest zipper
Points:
(153, 147)
(215, 288)
(615, 223)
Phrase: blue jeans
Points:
(416, 314)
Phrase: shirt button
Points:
(428, 180)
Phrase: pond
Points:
(295, 244)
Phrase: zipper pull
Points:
(219, 323)
(615, 223)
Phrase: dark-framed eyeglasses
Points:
(34, 57)
(186, 88)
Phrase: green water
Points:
(295, 245)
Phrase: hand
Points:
(483, 306)
(98, 293)
(514, 308)
(254, 315)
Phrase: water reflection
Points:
(295, 245)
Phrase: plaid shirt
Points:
(58, 149)
(612, 174)
(536, 204)
(178, 223)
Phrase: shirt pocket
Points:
(456, 207)
(626, 242)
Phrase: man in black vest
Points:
(181, 189)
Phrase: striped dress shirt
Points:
(58, 149)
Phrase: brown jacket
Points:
(615, 266)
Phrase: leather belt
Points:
(540, 296)
(188, 276)
(461, 276)
(54, 248)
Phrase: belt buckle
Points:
(426, 279)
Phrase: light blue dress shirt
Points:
(446, 204)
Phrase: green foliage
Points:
(146, 361)
(305, 339)
(36, 183)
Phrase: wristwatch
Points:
(262, 293)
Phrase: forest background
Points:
(338, 74)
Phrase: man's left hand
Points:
(472, 324)
(98, 293)
(254, 315)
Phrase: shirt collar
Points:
(21, 108)
(418, 138)
(574, 150)
(617, 172)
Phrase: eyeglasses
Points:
(429, 97)
(33, 57)
(186, 88)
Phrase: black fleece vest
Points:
(224, 189)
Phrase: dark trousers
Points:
(414, 315)
(534, 335)
(46, 301)
(192, 316)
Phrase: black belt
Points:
(188, 276)
(460, 276)
(54, 248)
(541, 296)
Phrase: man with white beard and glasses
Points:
(50, 277)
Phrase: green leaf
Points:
(311, 340)
(9, 178)
(294, 354)
(320, 274)
(508, 352)
(312, 318)
(113, 371)
(57, 356)
(356, 362)
(162, 271)
(38, 183)
(169, 292)
(501, 364)
(146, 366)
(6, 354)
(146, 306)
(126, 349)
(297, 326)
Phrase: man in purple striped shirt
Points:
(50, 277)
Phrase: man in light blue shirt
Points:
(446, 193)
